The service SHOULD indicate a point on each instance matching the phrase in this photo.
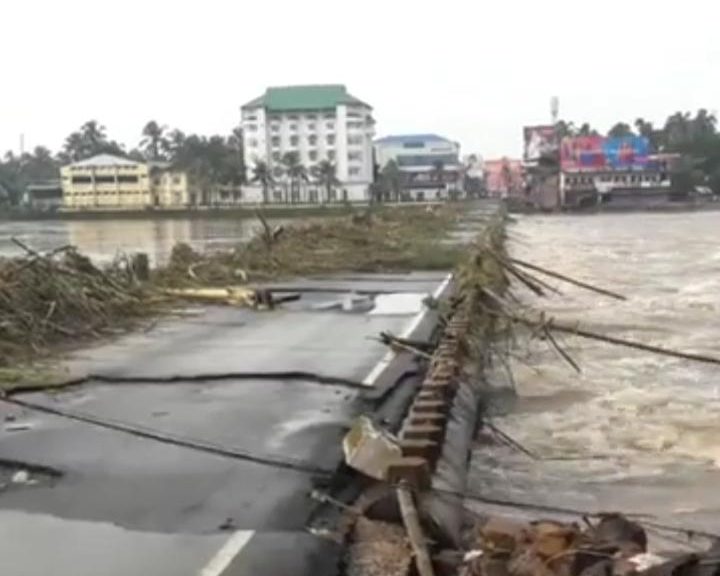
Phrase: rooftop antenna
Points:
(554, 109)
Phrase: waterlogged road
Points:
(634, 431)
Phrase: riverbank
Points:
(246, 211)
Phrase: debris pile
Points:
(613, 545)
(378, 549)
(394, 240)
(62, 295)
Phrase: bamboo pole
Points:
(567, 279)
(410, 517)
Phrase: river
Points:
(102, 240)
(634, 431)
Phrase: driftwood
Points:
(551, 324)
(61, 294)
(415, 534)
(565, 356)
(567, 279)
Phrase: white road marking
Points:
(380, 367)
(227, 553)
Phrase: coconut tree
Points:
(438, 171)
(294, 171)
(391, 179)
(325, 174)
(154, 144)
(262, 175)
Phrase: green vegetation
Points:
(385, 240)
(211, 161)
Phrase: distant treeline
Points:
(210, 160)
(694, 136)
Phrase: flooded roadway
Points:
(634, 431)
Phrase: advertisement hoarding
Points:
(598, 153)
(539, 141)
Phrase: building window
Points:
(252, 142)
(81, 180)
(104, 179)
(312, 155)
(252, 127)
(125, 179)
(354, 124)
(277, 172)
(156, 181)
(312, 140)
(311, 117)
(293, 127)
(293, 117)
(355, 140)
(275, 127)
(354, 171)
(276, 156)
(311, 126)
(330, 139)
(329, 116)
(252, 117)
(331, 155)
(355, 156)
(294, 140)
(275, 141)
(329, 125)
(176, 179)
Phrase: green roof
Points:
(313, 97)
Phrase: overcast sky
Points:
(475, 71)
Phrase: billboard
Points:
(598, 153)
(539, 141)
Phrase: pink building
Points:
(504, 178)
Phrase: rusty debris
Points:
(611, 546)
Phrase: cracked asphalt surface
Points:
(130, 505)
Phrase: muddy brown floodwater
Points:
(635, 431)
(102, 239)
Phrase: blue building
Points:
(430, 164)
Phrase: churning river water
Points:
(634, 431)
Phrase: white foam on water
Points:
(632, 418)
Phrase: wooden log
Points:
(411, 520)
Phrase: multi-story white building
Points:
(429, 164)
(318, 122)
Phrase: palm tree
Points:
(294, 171)
(263, 176)
(392, 179)
(437, 173)
(326, 176)
(564, 129)
(620, 130)
(704, 123)
(678, 129)
(154, 143)
(94, 135)
(586, 130)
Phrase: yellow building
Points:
(107, 182)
